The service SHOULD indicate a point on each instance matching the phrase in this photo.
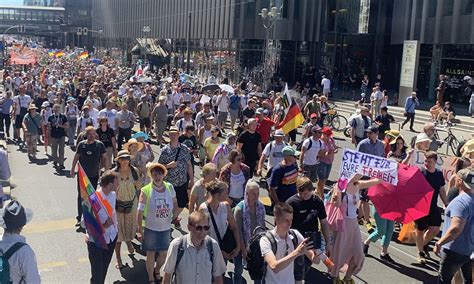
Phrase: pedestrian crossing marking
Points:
(49, 226)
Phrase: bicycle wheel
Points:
(338, 122)
(453, 144)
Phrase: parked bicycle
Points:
(451, 141)
(336, 121)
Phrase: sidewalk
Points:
(425, 104)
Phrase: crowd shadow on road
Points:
(135, 273)
(414, 272)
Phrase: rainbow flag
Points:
(92, 203)
(51, 52)
(293, 116)
(83, 55)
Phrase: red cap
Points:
(313, 115)
(327, 131)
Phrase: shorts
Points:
(145, 122)
(326, 91)
(222, 117)
(324, 170)
(182, 195)
(18, 121)
(234, 114)
(433, 219)
(156, 240)
(311, 171)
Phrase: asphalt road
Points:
(62, 254)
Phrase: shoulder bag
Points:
(228, 242)
(40, 131)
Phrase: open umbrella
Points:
(409, 200)
(227, 88)
(210, 87)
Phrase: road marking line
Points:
(49, 226)
(83, 260)
(49, 265)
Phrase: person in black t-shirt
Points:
(383, 120)
(308, 208)
(106, 135)
(428, 227)
(90, 153)
(189, 140)
(249, 143)
(57, 125)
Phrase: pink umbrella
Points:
(408, 201)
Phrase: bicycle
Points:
(450, 140)
(336, 121)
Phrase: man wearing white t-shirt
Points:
(281, 262)
(21, 103)
(222, 108)
(310, 151)
(272, 151)
(110, 113)
(326, 84)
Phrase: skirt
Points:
(348, 248)
(127, 226)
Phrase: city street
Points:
(62, 253)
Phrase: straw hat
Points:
(468, 148)
(153, 166)
(131, 142)
(122, 154)
(32, 106)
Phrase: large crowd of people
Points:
(112, 122)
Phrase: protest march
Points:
(211, 182)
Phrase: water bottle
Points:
(325, 259)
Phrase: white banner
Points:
(354, 162)
(446, 164)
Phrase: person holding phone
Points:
(284, 264)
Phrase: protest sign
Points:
(354, 162)
(446, 164)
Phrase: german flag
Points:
(83, 55)
(293, 117)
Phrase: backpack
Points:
(298, 148)
(182, 248)
(4, 265)
(256, 265)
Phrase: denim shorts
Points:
(324, 170)
(156, 240)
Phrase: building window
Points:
(82, 12)
(467, 7)
(448, 8)
(432, 8)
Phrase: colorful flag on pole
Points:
(59, 54)
(83, 55)
(92, 203)
(293, 117)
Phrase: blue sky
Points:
(11, 2)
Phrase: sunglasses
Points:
(200, 228)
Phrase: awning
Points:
(151, 47)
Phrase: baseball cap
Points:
(316, 128)
(173, 129)
(313, 115)
(467, 176)
(289, 151)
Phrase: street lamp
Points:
(269, 60)
(146, 30)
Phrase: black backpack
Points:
(256, 265)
